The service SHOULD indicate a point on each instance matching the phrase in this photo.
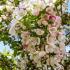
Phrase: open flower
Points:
(52, 18)
(58, 21)
(39, 31)
(44, 22)
(53, 30)
(42, 53)
(50, 11)
(4, 17)
(33, 41)
(25, 34)
(39, 22)
(50, 48)
(36, 11)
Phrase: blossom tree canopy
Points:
(34, 29)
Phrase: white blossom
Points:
(39, 31)
(42, 53)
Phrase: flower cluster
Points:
(42, 34)
(44, 38)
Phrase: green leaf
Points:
(16, 2)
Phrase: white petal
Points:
(11, 26)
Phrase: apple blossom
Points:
(39, 31)
(43, 39)
(35, 12)
(42, 53)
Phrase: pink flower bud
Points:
(36, 12)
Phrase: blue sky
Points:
(2, 46)
(69, 6)
(68, 10)
(68, 48)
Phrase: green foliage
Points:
(66, 63)
(3, 1)
(66, 18)
(6, 63)
(16, 2)
(58, 4)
